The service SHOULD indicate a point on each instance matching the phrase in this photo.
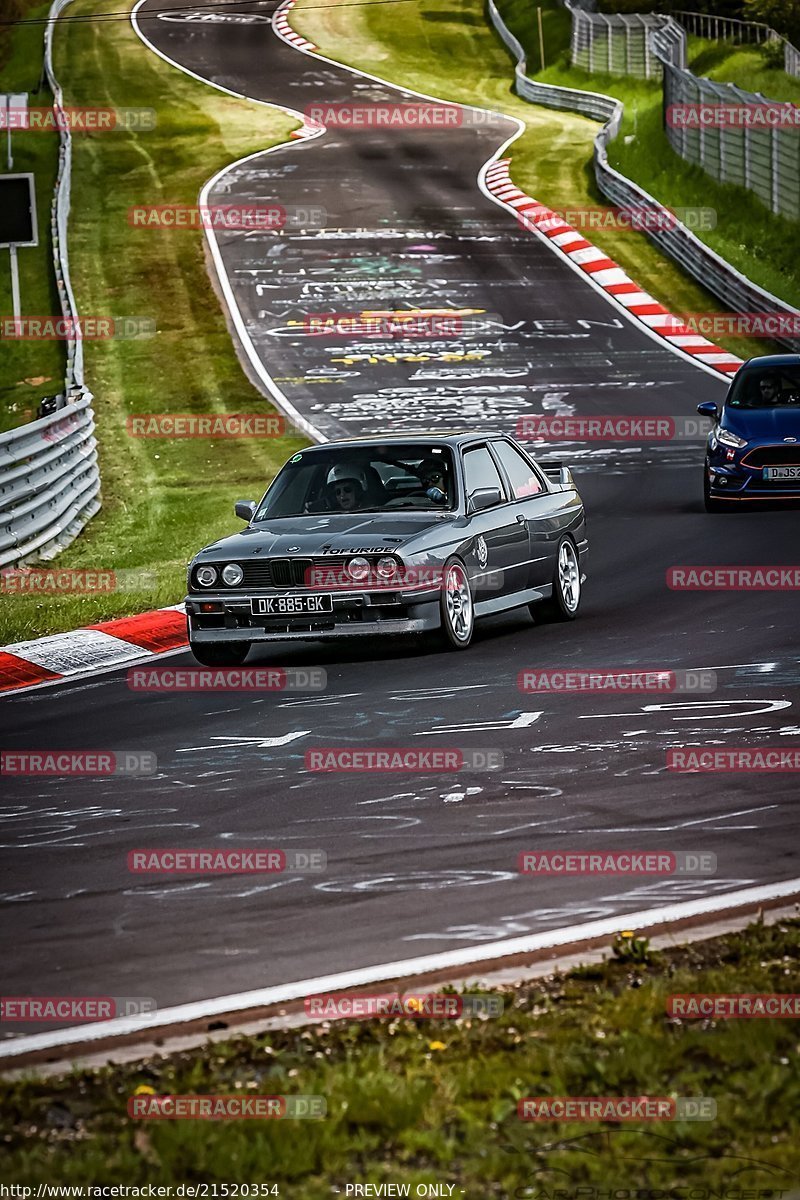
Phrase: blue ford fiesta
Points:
(753, 449)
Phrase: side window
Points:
(480, 472)
(524, 480)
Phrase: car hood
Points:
(327, 533)
(763, 424)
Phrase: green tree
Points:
(782, 15)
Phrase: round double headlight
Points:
(206, 576)
(358, 569)
(232, 574)
(387, 568)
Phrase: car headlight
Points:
(731, 439)
(358, 569)
(232, 574)
(206, 576)
(387, 568)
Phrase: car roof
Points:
(452, 439)
(773, 360)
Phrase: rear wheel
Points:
(565, 600)
(457, 607)
(220, 654)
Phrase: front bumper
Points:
(737, 481)
(354, 615)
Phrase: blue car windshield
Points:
(766, 387)
(371, 478)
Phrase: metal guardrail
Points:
(49, 483)
(735, 290)
(61, 203)
(49, 477)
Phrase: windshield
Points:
(376, 478)
(766, 387)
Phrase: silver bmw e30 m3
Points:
(387, 535)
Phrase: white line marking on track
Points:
(484, 953)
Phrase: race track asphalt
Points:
(415, 863)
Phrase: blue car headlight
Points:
(728, 438)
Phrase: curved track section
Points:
(416, 864)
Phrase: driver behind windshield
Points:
(346, 487)
(769, 390)
(432, 474)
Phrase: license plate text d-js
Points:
(781, 473)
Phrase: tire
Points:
(565, 601)
(457, 607)
(710, 503)
(220, 654)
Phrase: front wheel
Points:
(220, 654)
(457, 607)
(565, 600)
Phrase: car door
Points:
(538, 508)
(499, 541)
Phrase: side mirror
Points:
(708, 409)
(244, 509)
(484, 498)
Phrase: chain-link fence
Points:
(736, 137)
(730, 29)
(621, 44)
(735, 291)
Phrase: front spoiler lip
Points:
(745, 490)
(363, 629)
(753, 497)
(370, 598)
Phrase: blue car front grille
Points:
(773, 456)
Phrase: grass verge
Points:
(412, 1102)
(448, 50)
(162, 499)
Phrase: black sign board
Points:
(17, 211)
